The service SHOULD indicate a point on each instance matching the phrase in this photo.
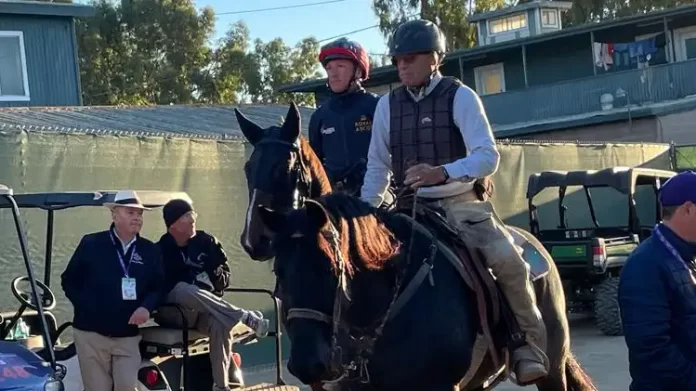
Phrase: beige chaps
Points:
(482, 228)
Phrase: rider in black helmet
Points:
(432, 134)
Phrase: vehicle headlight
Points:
(54, 385)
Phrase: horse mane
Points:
(364, 237)
(315, 166)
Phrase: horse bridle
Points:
(363, 344)
(303, 181)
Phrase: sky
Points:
(321, 21)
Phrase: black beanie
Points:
(173, 211)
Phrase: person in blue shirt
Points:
(657, 295)
(340, 129)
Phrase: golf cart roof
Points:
(76, 199)
(5, 190)
(623, 179)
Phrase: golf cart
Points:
(174, 358)
(22, 368)
(590, 259)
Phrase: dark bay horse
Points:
(428, 344)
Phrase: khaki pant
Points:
(210, 315)
(480, 227)
(107, 364)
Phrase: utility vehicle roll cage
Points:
(623, 179)
(56, 201)
(8, 200)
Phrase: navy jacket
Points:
(92, 283)
(202, 253)
(657, 295)
(339, 133)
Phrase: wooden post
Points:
(594, 67)
(524, 65)
(461, 70)
(669, 47)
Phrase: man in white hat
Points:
(113, 281)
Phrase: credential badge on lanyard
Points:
(128, 287)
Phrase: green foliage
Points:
(158, 52)
(450, 15)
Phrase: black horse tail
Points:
(576, 378)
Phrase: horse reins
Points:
(365, 344)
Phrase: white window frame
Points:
(550, 11)
(25, 75)
(479, 71)
(523, 14)
(680, 41)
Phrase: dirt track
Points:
(604, 358)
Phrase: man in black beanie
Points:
(197, 273)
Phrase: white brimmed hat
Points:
(127, 198)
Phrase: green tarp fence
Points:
(210, 171)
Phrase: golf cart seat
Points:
(162, 340)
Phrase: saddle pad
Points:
(538, 264)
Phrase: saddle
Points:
(497, 323)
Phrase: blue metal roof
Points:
(21, 7)
(197, 121)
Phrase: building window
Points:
(549, 18)
(509, 23)
(490, 79)
(14, 85)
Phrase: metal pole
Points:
(461, 69)
(49, 249)
(32, 280)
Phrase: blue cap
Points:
(679, 189)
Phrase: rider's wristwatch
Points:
(444, 171)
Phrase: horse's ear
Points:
(252, 132)
(292, 124)
(273, 220)
(316, 213)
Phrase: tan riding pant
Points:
(480, 227)
(210, 315)
(107, 364)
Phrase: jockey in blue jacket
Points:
(340, 129)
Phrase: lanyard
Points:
(669, 246)
(124, 267)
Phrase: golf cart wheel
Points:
(606, 307)
(271, 387)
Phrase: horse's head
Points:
(315, 246)
(276, 175)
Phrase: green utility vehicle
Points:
(590, 259)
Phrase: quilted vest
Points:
(424, 131)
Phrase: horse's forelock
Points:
(361, 232)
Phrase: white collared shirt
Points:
(469, 116)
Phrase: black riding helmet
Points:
(417, 36)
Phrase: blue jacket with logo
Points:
(657, 296)
(92, 282)
(339, 133)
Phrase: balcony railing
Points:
(642, 86)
